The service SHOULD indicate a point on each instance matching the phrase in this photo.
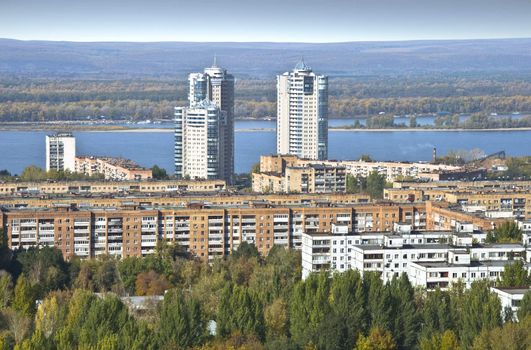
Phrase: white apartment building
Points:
(302, 113)
(217, 86)
(391, 170)
(60, 152)
(510, 298)
(432, 275)
(431, 259)
(198, 148)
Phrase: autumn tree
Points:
(378, 339)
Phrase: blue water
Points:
(20, 149)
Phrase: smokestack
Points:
(434, 160)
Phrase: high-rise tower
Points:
(302, 113)
(60, 152)
(198, 152)
(217, 86)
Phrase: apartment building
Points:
(60, 152)
(433, 275)
(312, 178)
(206, 231)
(23, 189)
(446, 216)
(111, 168)
(431, 258)
(171, 198)
(302, 113)
(277, 164)
(510, 298)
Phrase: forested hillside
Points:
(47, 81)
(126, 59)
(47, 99)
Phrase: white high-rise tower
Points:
(214, 85)
(60, 152)
(302, 113)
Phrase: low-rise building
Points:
(115, 169)
(11, 190)
(431, 258)
(510, 298)
(276, 164)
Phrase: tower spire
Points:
(301, 65)
(215, 61)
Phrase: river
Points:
(253, 138)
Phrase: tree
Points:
(514, 275)
(6, 289)
(378, 339)
(181, 324)
(512, 335)
(309, 308)
(444, 341)
(49, 317)
(33, 173)
(507, 232)
(276, 319)
(151, 283)
(379, 301)
(375, 184)
(24, 301)
(159, 173)
(255, 169)
(347, 302)
(18, 323)
(366, 158)
(356, 184)
(45, 268)
(525, 306)
(436, 313)
(246, 250)
(481, 311)
(413, 122)
(405, 327)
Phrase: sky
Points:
(264, 20)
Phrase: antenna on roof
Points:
(215, 61)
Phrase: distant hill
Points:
(113, 59)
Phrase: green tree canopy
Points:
(507, 232)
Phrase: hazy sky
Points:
(263, 20)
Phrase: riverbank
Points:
(427, 129)
(129, 129)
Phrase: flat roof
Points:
(513, 291)
(365, 247)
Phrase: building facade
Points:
(206, 231)
(199, 150)
(60, 152)
(114, 169)
(431, 259)
(217, 86)
(302, 113)
(27, 191)
(312, 178)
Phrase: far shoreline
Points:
(80, 128)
